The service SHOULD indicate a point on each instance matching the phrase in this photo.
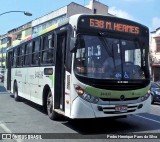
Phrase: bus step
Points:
(59, 111)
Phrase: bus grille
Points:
(68, 82)
(111, 99)
(111, 109)
(119, 112)
(119, 87)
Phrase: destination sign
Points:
(114, 26)
(109, 24)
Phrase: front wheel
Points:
(51, 113)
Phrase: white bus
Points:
(88, 66)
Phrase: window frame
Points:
(27, 53)
(157, 45)
(35, 52)
(46, 50)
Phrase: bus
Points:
(87, 66)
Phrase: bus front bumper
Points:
(83, 109)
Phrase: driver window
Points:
(132, 64)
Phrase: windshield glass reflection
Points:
(109, 58)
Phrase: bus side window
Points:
(35, 52)
(15, 57)
(48, 50)
(21, 55)
(17, 61)
(12, 57)
(28, 49)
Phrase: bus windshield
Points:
(109, 58)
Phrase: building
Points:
(59, 15)
(13, 37)
(4, 43)
(16, 35)
(155, 54)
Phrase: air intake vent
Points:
(68, 82)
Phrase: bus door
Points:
(9, 65)
(59, 95)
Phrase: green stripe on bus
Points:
(52, 79)
(102, 93)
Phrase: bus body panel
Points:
(67, 94)
(35, 89)
(81, 109)
(31, 82)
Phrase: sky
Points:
(142, 11)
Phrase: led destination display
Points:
(112, 24)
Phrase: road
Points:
(27, 117)
(2, 89)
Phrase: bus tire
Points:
(51, 113)
(16, 97)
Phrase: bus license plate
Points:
(122, 108)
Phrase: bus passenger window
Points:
(47, 57)
(48, 50)
(45, 43)
(18, 56)
(21, 54)
(35, 52)
(15, 58)
(27, 53)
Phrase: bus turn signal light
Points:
(85, 96)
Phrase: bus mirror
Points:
(72, 44)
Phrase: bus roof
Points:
(73, 21)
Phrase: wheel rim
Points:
(49, 103)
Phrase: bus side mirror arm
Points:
(73, 44)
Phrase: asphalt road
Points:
(2, 89)
(26, 117)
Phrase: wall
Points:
(155, 55)
(51, 15)
(74, 8)
(100, 7)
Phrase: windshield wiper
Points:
(106, 46)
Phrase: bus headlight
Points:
(85, 96)
(145, 97)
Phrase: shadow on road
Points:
(99, 126)
(131, 124)
(31, 104)
(38, 108)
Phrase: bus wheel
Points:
(51, 113)
(16, 97)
